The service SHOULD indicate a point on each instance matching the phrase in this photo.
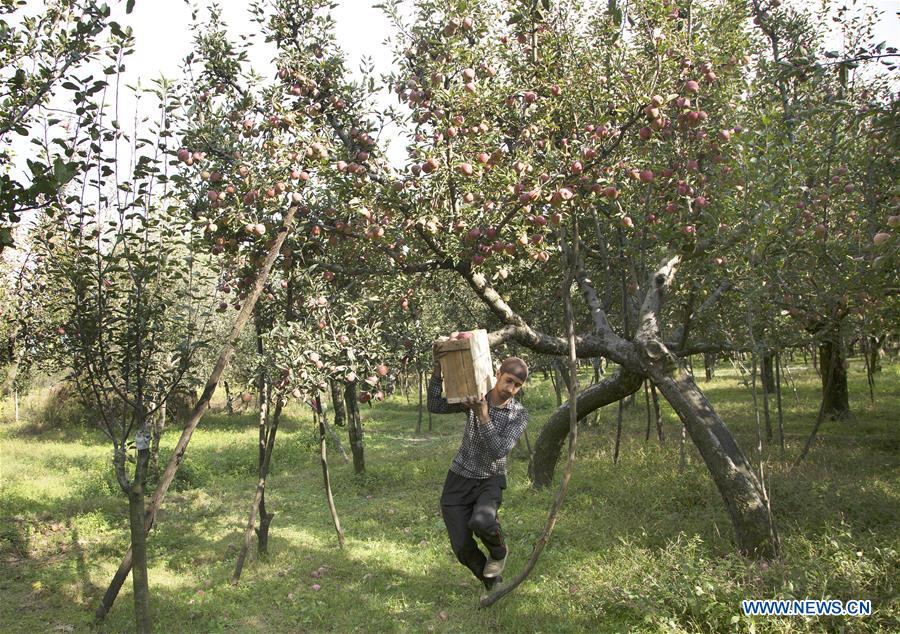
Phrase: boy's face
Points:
(507, 385)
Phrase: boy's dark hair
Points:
(516, 367)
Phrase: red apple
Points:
(561, 195)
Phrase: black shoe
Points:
(491, 582)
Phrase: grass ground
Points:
(639, 546)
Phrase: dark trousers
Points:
(470, 506)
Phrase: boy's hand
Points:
(479, 407)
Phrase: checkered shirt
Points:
(483, 451)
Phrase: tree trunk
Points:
(136, 516)
(621, 408)
(225, 355)
(228, 406)
(753, 373)
(744, 497)
(874, 347)
(419, 421)
(834, 389)
(767, 371)
(354, 428)
(266, 449)
(323, 457)
(549, 442)
(265, 517)
(778, 403)
(554, 379)
(647, 405)
(337, 403)
(766, 391)
(159, 425)
(709, 365)
(656, 414)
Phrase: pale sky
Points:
(163, 39)
(161, 30)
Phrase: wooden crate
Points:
(466, 367)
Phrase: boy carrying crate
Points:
(474, 486)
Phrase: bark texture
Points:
(548, 446)
(744, 497)
(833, 365)
(354, 428)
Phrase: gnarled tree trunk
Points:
(744, 496)
(549, 442)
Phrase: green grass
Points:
(639, 546)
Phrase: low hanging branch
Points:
(199, 410)
(542, 541)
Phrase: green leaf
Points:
(129, 6)
(63, 172)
